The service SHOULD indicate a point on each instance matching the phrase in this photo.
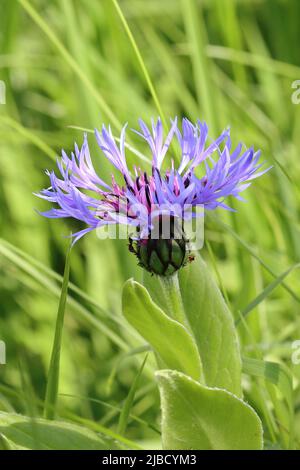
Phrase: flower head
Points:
(207, 173)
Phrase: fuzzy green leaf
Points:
(171, 341)
(213, 327)
(203, 418)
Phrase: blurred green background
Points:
(72, 63)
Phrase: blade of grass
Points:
(266, 292)
(246, 105)
(263, 394)
(6, 444)
(103, 430)
(172, 71)
(45, 282)
(53, 374)
(29, 400)
(125, 413)
(120, 360)
(17, 393)
(281, 377)
(18, 257)
(254, 255)
(196, 33)
(218, 275)
(253, 60)
(37, 18)
(141, 61)
(29, 135)
(232, 31)
(54, 275)
(114, 408)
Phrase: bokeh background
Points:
(70, 65)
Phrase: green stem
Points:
(171, 289)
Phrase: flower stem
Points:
(171, 289)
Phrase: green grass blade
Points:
(114, 408)
(266, 292)
(6, 444)
(42, 277)
(53, 374)
(254, 255)
(10, 249)
(121, 358)
(140, 60)
(16, 394)
(37, 18)
(29, 136)
(218, 275)
(196, 33)
(96, 426)
(278, 375)
(253, 60)
(125, 413)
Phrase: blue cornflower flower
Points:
(206, 175)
